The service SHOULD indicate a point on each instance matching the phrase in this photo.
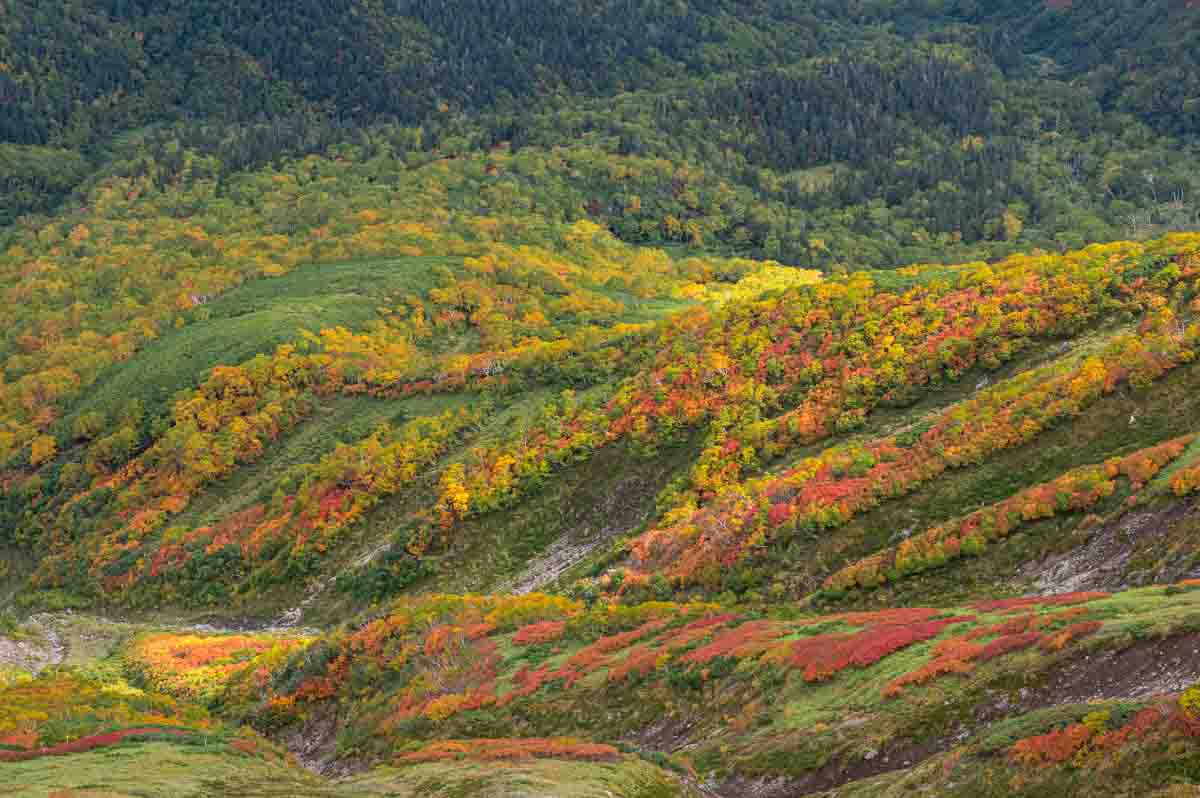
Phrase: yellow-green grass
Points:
(629, 777)
(160, 770)
(254, 318)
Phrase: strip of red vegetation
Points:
(1008, 644)
(90, 743)
(824, 656)
(749, 639)
(958, 655)
(969, 535)
(1062, 600)
(1061, 745)
(537, 633)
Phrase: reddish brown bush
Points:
(641, 660)
(926, 673)
(1008, 644)
(1053, 748)
(1059, 640)
(825, 655)
(749, 639)
(537, 633)
(1064, 599)
(89, 743)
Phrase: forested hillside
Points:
(641, 399)
(868, 134)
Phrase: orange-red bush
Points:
(543, 632)
(1008, 644)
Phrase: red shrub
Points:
(974, 634)
(960, 647)
(685, 635)
(899, 615)
(1003, 605)
(1185, 724)
(926, 673)
(543, 632)
(825, 655)
(640, 659)
(587, 660)
(482, 696)
(245, 746)
(478, 630)
(613, 642)
(1008, 644)
(1142, 723)
(568, 674)
(1045, 601)
(1053, 748)
(438, 638)
(708, 621)
(527, 683)
(1075, 598)
(527, 749)
(1076, 631)
(749, 639)
(1013, 626)
(26, 740)
(89, 743)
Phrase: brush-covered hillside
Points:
(697, 399)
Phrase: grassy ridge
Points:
(255, 318)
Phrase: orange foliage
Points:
(747, 640)
(26, 740)
(640, 660)
(1045, 601)
(542, 632)
(1186, 480)
(1058, 640)
(823, 656)
(928, 672)
(821, 494)
(200, 665)
(1008, 644)
(1053, 748)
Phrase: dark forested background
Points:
(856, 134)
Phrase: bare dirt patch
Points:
(833, 775)
(37, 647)
(1139, 671)
(1103, 563)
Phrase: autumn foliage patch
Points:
(199, 666)
(92, 742)
(823, 656)
(1060, 600)
(1075, 491)
(536, 633)
(1093, 735)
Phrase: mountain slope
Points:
(787, 468)
(691, 399)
